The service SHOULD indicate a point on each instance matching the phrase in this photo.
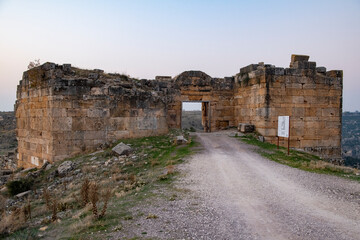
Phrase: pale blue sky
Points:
(146, 38)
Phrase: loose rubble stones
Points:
(65, 167)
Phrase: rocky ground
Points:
(128, 174)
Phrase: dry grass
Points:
(129, 163)
(2, 203)
(82, 224)
(87, 169)
(129, 187)
(54, 209)
(126, 177)
(82, 212)
(47, 198)
(106, 196)
(117, 177)
(94, 198)
(132, 178)
(322, 165)
(120, 194)
(84, 192)
(151, 216)
(106, 182)
(12, 222)
(72, 186)
(69, 200)
(154, 162)
(40, 211)
(115, 170)
(26, 210)
(170, 169)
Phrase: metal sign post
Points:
(284, 129)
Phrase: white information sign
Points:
(283, 126)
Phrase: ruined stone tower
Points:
(62, 111)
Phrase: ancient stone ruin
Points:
(63, 111)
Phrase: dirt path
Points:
(230, 192)
(261, 199)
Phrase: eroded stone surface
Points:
(63, 111)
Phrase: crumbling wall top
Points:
(299, 66)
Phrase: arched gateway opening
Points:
(214, 94)
(196, 116)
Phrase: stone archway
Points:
(216, 95)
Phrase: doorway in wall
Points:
(195, 116)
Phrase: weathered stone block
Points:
(304, 65)
(122, 149)
(246, 128)
(94, 135)
(98, 113)
(249, 68)
(66, 67)
(335, 73)
(321, 70)
(298, 58)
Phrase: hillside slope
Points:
(7, 132)
(351, 138)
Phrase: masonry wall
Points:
(251, 105)
(311, 96)
(198, 86)
(33, 119)
(63, 111)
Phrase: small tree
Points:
(34, 63)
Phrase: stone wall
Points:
(311, 96)
(62, 111)
(200, 87)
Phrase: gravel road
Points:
(260, 199)
(234, 193)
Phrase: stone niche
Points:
(63, 111)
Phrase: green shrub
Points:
(19, 186)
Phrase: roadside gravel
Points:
(228, 191)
